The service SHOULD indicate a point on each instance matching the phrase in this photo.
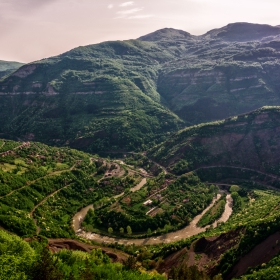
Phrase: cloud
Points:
(128, 12)
(110, 6)
(126, 4)
(140, 16)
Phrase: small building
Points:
(148, 202)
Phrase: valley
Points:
(153, 158)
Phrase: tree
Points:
(129, 230)
(110, 230)
(46, 267)
(149, 231)
(131, 263)
(121, 230)
(234, 188)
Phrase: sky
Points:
(34, 29)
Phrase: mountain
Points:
(244, 32)
(99, 97)
(225, 72)
(248, 141)
(7, 67)
(166, 34)
(130, 95)
(137, 95)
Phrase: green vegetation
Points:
(160, 206)
(46, 185)
(130, 98)
(130, 95)
(214, 213)
(247, 142)
(22, 261)
(106, 99)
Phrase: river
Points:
(186, 232)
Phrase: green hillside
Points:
(130, 95)
(245, 141)
(100, 97)
(27, 261)
(43, 187)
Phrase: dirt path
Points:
(24, 144)
(32, 182)
(188, 231)
(2, 144)
(139, 186)
(41, 202)
(160, 166)
(236, 167)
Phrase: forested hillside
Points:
(130, 95)
(249, 141)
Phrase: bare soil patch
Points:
(260, 254)
(56, 245)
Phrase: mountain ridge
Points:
(84, 95)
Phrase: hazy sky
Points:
(34, 29)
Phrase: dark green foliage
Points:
(187, 273)
(46, 267)
(20, 261)
(178, 202)
(248, 143)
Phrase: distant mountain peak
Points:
(166, 33)
(243, 31)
